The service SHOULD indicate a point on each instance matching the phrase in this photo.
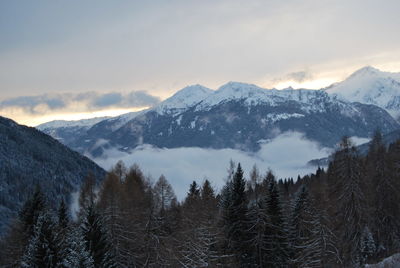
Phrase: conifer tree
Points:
(383, 201)
(23, 227)
(44, 249)
(31, 210)
(236, 222)
(368, 247)
(347, 201)
(75, 253)
(311, 241)
(276, 244)
(97, 238)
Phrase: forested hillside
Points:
(29, 157)
(345, 216)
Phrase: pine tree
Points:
(368, 247)
(97, 238)
(257, 216)
(31, 210)
(311, 241)
(44, 249)
(23, 228)
(347, 200)
(276, 244)
(198, 234)
(382, 196)
(75, 254)
(235, 218)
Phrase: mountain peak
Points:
(184, 98)
(366, 71)
(372, 86)
(238, 86)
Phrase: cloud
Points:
(29, 103)
(359, 140)
(286, 155)
(164, 45)
(86, 101)
(299, 77)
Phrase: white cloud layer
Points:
(286, 155)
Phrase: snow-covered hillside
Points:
(239, 115)
(371, 86)
(72, 123)
(183, 99)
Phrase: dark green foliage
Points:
(235, 218)
(75, 254)
(276, 245)
(348, 201)
(31, 210)
(44, 249)
(96, 237)
(63, 218)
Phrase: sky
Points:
(80, 59)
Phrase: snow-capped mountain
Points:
(183, 99)
(86, 123)
(29, 157)
(237, 115)
(371, 86)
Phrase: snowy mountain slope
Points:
(237, 115)
(236, 124)
(67, 132)
(29, 157)
(254, 95)
(371, 86)
(73, 123)
(183, 99)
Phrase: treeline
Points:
(345, 216)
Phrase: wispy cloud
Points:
(87, 101)
(298, 77)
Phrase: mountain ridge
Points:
(199, 116)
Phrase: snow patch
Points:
(274, 117)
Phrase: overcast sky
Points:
(126, 55)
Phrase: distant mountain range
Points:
(242, 116)
(28, 158)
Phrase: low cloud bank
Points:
(286, 155)
(86, 101)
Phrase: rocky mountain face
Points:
(237, 115)
(28, 158)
